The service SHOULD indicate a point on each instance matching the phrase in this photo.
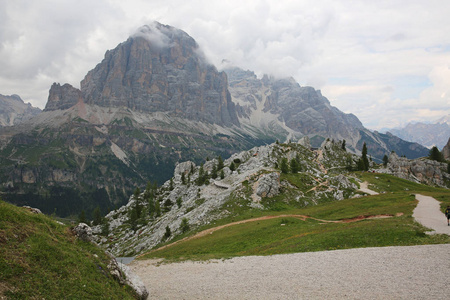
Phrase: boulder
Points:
(123, 274)
(305, 142)
(268, 185)
(33, 210)
(83, 232)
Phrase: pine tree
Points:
(184, 226)
(294, 166)
(168, 233)
(435, 154)
(219, 163)
(284, 166)
(232, 166)
(183, 178)
(343, 145)
(214, 172)
(365, 160)
(385, 160)
(222, 174)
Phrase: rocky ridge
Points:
(292, 111)
(13, 110)
(421, 170)
(255, 183)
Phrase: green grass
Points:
(269, 237)
(41, 259)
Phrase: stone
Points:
(33, 210)
(83, 232)
(268, 185)
(124, 275)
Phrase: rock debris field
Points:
(413, 272)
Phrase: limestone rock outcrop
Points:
(446, 150)
(123, 275)
(268, 185)
(419, 170)
(62, 97)
(83, 232)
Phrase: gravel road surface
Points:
(414, 272)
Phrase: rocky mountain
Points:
(13, 110)
(152, 102)
(283, 106)
(428, 135)
(202, 194)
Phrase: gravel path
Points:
(428, 214)
(414, 272)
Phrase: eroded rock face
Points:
(161, 68)
(62, 97)
(419, 170)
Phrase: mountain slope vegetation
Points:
(41, 259)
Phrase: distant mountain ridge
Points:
(428, 135)
(154, 101)
(13, 110)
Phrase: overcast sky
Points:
(387, 62)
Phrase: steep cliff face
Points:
(161, 68)
(14, 111)
(62, 97)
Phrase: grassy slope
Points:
(270, 237)
(41, 259)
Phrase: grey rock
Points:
(268, 185)
(33, 210)
(124, 275)
(446, 150)
(419, 170)
(14, 111)
(83, 232)
(161, 69)
(305, 142)
(62, 97)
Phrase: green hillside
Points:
(370, 221)
(41, 259)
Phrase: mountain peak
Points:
(161, 69)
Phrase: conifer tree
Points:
(284, 165)
(97, 216)
(219, 163)
(385, 160)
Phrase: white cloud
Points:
(385, 61)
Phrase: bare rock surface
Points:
(414, 272)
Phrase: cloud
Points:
(384, 61)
